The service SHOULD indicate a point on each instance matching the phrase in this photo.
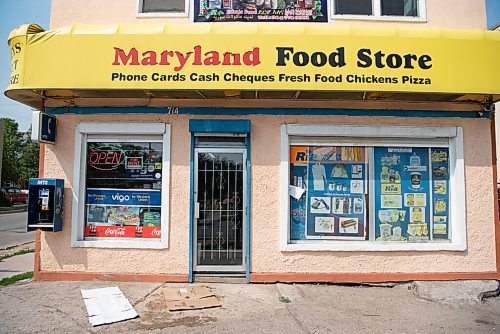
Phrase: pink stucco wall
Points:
(457, 14)
(57, 254)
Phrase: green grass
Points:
(19, 252)
(16, 278)
(13, 208)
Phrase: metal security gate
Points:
(219, 217)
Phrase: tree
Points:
(12, 146)
(28, 161)
(20, 154)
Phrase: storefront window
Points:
(121, 185)
(382, 192)
(123, 190)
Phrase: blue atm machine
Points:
(45, 204)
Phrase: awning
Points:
(158, 64)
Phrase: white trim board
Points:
(119, 131)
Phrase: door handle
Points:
(196, 210)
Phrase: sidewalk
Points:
(421, 307)
(16, 265)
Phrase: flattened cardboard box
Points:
(190, 298)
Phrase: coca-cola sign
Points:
(115, 232)
(156, 232)
(144, 232)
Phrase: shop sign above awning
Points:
(92, 61)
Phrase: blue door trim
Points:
(191, 207)
(236, 126)
(249, 183)
(264, 111)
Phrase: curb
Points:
(13, 211)
(14, 246)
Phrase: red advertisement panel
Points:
(123, 231)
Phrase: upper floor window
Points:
(381, 8)
(162, 7)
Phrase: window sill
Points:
(366, 246)
(129, 244)
(380, 18)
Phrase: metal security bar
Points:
(220, 226)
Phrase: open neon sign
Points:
(106, 157)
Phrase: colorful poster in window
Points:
(336, 178)
(123, 190)
(260, 11)
(401, 194)
(298, 179)
(123, 213)
(411, 193)
(440, 192)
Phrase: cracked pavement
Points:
(57, 307)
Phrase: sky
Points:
(16, 12)
(493, 12)
(12, 14)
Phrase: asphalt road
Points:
(13, 230)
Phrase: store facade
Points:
(275, 153)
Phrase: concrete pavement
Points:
(13, 237)
(58, 307)
(417, 307)
(16, 265)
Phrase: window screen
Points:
(358, 7)
(399, 7)
(163, 6)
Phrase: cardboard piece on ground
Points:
(190, 298)
(107, 305)
(193, 304)
(191, 292)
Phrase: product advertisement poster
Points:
(298, 178)
(440, 191)
(336, 188)
(260, 11)
(407, 191)
(124, 197)
(123, 213)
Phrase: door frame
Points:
(220, 268)
(223, 127)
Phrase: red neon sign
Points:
(106, 157)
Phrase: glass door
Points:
(219, 226)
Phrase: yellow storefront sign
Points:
(256, 57)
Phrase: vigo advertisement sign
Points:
(123, 197)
